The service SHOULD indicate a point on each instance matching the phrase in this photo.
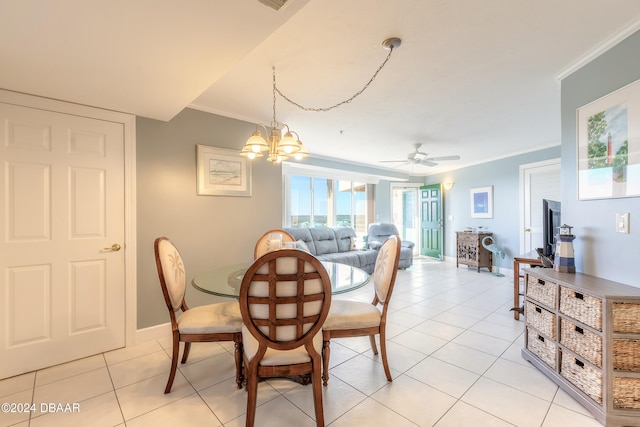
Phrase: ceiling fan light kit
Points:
(281, 142)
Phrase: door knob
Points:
(115, 248)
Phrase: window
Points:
(317, 202)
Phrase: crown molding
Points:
(600, 49)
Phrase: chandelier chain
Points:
(339, 104)
(273, 69)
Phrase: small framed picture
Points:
(482, 202)
(222, 172)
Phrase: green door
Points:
(431, 221)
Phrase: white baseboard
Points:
(153, 333)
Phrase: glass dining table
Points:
(225, 281)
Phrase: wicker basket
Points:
(582, 307)
(542, 291)
(626, 317)
(583, 376)
(626, 355)
(542, 347)
(581, 341)
(626, 393)
(540, 319)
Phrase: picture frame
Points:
(608, 145)
(482, 202)
(222, 172)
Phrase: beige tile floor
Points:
(454, 350)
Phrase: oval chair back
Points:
(284, 300)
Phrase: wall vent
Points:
(275, 4)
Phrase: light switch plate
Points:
(622, 222)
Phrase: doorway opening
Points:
(405, 211)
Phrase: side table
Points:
(533, 262)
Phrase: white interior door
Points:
(539, 181)
(62, 284)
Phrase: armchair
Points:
(379, 232)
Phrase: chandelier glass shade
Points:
(279, 143)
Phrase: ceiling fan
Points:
(418, 157)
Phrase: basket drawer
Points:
(542, 291)
(542, 347)
(582, 307)
(626, 393)
(626, 354)
(583, 376)
(581, 341)
(540, 319)
(626, 317)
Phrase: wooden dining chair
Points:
(284, 300)
(262, 245)
(207, 323)
(357, 319)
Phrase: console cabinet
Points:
(583, 332)
(470, 251)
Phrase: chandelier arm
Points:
(339, 104)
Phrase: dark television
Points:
(550, 224)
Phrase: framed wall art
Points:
(608, 152)
(222, 172)
(482, 202)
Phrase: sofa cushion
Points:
(304, 235)
(300, 244)
(367, 258)
(344, 237)
(324, 239)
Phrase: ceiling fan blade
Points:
(428, 162)
(456, 157)
(393, 161)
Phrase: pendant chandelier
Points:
(281, 143)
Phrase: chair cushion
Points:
(278, 357)
(211, 319)
(345, 314)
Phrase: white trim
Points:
(600, 49)
(129, 123)
(521, 183)
(331, 173)
(155, 332)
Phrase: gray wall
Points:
(209, 231)
(504, 176)
(599, 250)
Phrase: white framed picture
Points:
(609, 145)
(222, 172)
(482, 202)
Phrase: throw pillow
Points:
(302, 245)
(353, 246)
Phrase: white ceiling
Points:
(474, 78)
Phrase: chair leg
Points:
(239, 358)
(185, 352)
(372, 338)
(317, 393)
(174, 362)
(383, 350)
(326, 353)
(252, 393)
